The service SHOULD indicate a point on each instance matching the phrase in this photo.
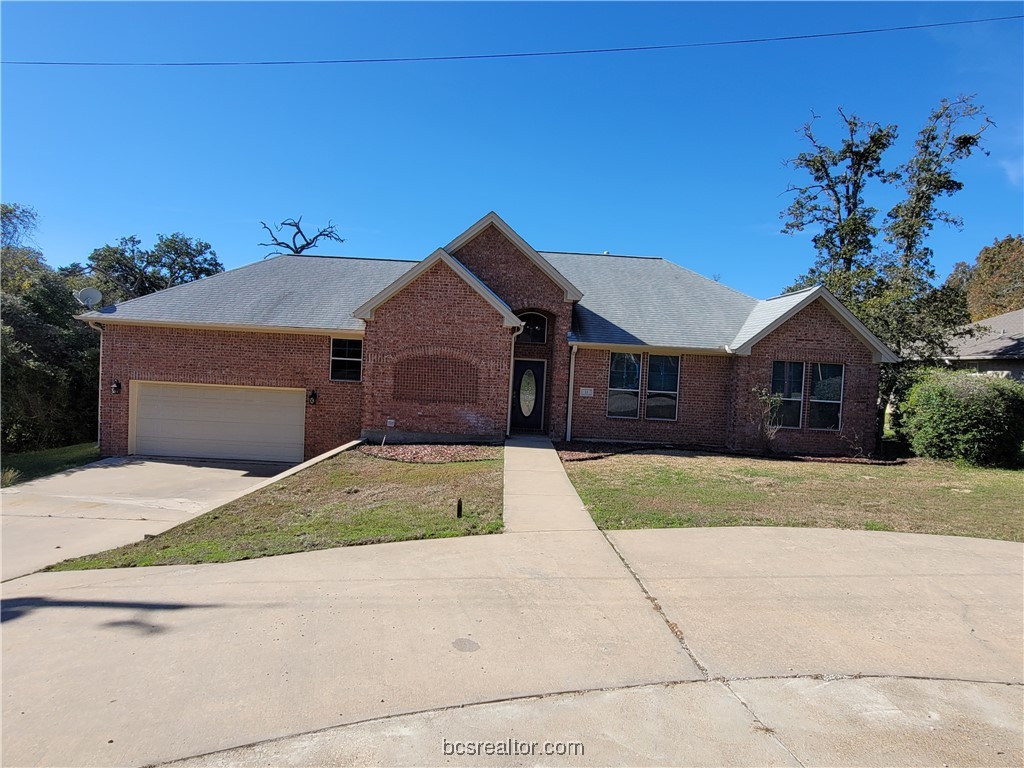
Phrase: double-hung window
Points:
(788, 384)
(824, 411)
(624, 386)
(662, 387)
(346, 359)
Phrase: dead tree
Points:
(299, 242)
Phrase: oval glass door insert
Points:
(527, 392)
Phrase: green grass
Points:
(33, 464)
(671, 489)
(350, 499)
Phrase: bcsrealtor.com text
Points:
(512, 747)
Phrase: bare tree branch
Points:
(300, 243)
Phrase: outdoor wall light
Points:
(312, 397)
(115, 388)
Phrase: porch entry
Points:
(528, 394)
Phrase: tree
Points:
(18, 261)
(128, 270)
(833, 203)
(994, 284)
(299, 243)
(50, 361)
(884, 272)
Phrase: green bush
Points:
(977, 419)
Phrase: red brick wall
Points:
(188, 355)
(436, 360)
(523, 286)
(814, 335)
(716, 402)
(702, 416)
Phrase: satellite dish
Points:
(87, 297)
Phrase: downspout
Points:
(511, 374)
(572, 380)
(99, 389)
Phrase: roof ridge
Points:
(609, 255)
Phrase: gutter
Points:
(572, 387)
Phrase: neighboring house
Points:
(996, 350)
(290, 356)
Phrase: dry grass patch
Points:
(672, 489)
(349, 499)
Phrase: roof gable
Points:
(365, 311)
(571, 292)
(772, 313)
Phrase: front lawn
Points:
(677, 489)
(20, 467)
(352, 498)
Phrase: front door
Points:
(528, 394)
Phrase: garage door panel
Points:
(220, 422)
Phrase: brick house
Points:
(293, 355)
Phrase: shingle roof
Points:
(1002, 339)
(635, 300)
(765, 313)
(627, 300)
(302, 292)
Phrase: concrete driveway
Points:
(738, 646)
(110, 503)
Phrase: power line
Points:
(520, 55)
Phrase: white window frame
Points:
(542, 317)
(842, 397)
(332, 358)
(638, 390)
(803, 387)
(679, 367)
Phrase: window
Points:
(662, 387)
(826, 402)
(624, 386)
(346, 359)
(788, 383)
(535, 330)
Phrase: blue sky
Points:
(672, 153)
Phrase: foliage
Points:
(128, 270)
(299, 242)
(50, 367)
(50, 361)
(9, 476)
(994, 284)
(765, 416)
(960, 415)
(32, 464)
(883, 272)
(833, 204)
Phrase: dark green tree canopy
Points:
(128, 270)
(883, 271)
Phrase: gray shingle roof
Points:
(1002, 339)
(302, 292)
(649, 301)
(627, 300)
(765, 313)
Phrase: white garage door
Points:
(250, 423)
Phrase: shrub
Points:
(977, 419)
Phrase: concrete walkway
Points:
(538, 494)
(741, 646)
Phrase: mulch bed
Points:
(586, 451)
(422, 453)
